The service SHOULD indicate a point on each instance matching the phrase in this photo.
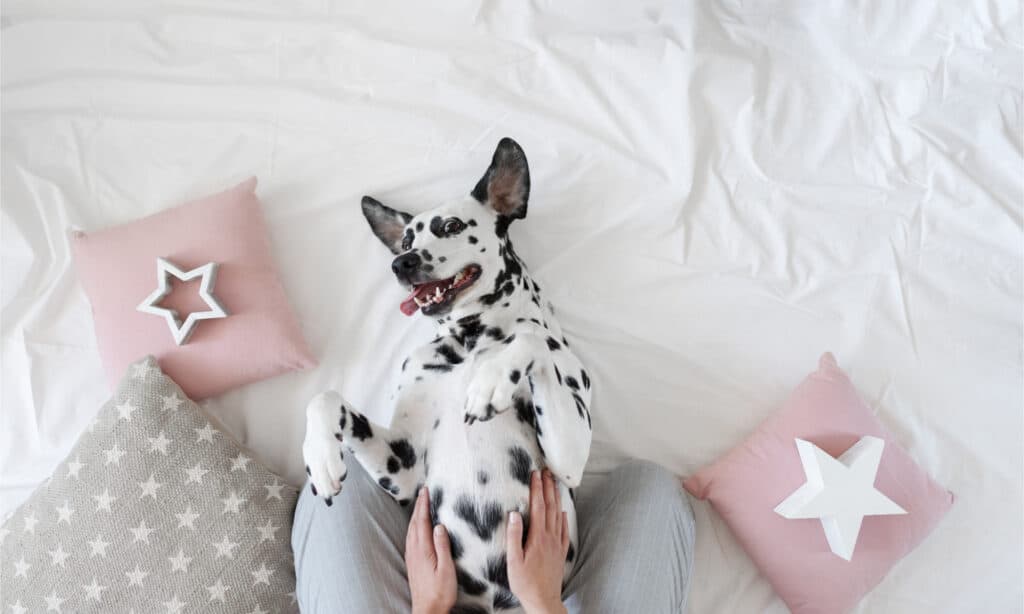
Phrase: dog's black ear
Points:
(386, 223)
(505, 187)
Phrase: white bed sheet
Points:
(721, 191)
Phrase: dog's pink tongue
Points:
(409, 305)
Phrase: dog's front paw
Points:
(491, 390)
(322, 448)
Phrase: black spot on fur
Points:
(469, 585)
(553, 344)
(571, 382)
(386, 484)
(404, 451)
(469, 330)
(572, 552)
(484, 521)
(509, 339)
(558, 374)
(437, 422)
(449, 354)
(505, 600)
(471, 222)
(585, 378)
(442, 259)
(437, 226)
(419, 226)
(437, 367)
(426, 268)
(436, 499)
(403, 502)
(307, 470)
(426, 255)
(472, 240)
(405, 363)
(393, 465)
(524, 410)
(482, 477)
(361, 427)
(519, 464)
(467, 609)
(456, 545)
(497, 571)
(514, 376)
(580, 405)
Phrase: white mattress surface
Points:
(721, 191)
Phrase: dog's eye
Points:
(452, 226)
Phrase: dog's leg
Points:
(561, 398)
(561, 403)
(388, 455)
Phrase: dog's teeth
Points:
(437, 292)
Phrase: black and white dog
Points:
(496, 395)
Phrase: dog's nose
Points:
(406, 264)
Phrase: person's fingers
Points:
(565, 534)
(443, 548)
(558, 510)
(551, 512)
(537, 513)
(514, 539)
(421, 519)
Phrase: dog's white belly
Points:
(476, 466)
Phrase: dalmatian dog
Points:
(496, 394)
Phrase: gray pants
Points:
(636, 546)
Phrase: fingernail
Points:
(514, 517)
(439, 530)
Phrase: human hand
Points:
(535, 570)
(428, 561)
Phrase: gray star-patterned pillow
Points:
(154, 510)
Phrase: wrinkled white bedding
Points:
(721, 191)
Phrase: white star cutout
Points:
(840, 492)
(180, 562)
(21, 568)
(30, 523)
(141, 532)
(64, 513)
(17, 608)
(159, 443)
(217, 591)
(258, 610)
(231, 503)
(205, 433)
(98, 547)
(171, 402)
(58, 556)
(114, 455)
(53, 602)
(267, 531)
(124, 411)
(174, 606)
(136, 577)
(262, 575)
(274, 490)
(182, 330)
(239, 462)
(74, 467)
(141, 370)
(149, 488)
(103, 501)
(224, 548)
(195, 474)
(92, 591)
(187, 518)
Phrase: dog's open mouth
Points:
(434, 296)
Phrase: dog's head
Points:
(442, 254)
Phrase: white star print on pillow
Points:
(152, 504)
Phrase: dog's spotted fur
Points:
(496, 395)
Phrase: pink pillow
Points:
(260, 338)
(746, 484)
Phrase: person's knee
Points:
(655, 485)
